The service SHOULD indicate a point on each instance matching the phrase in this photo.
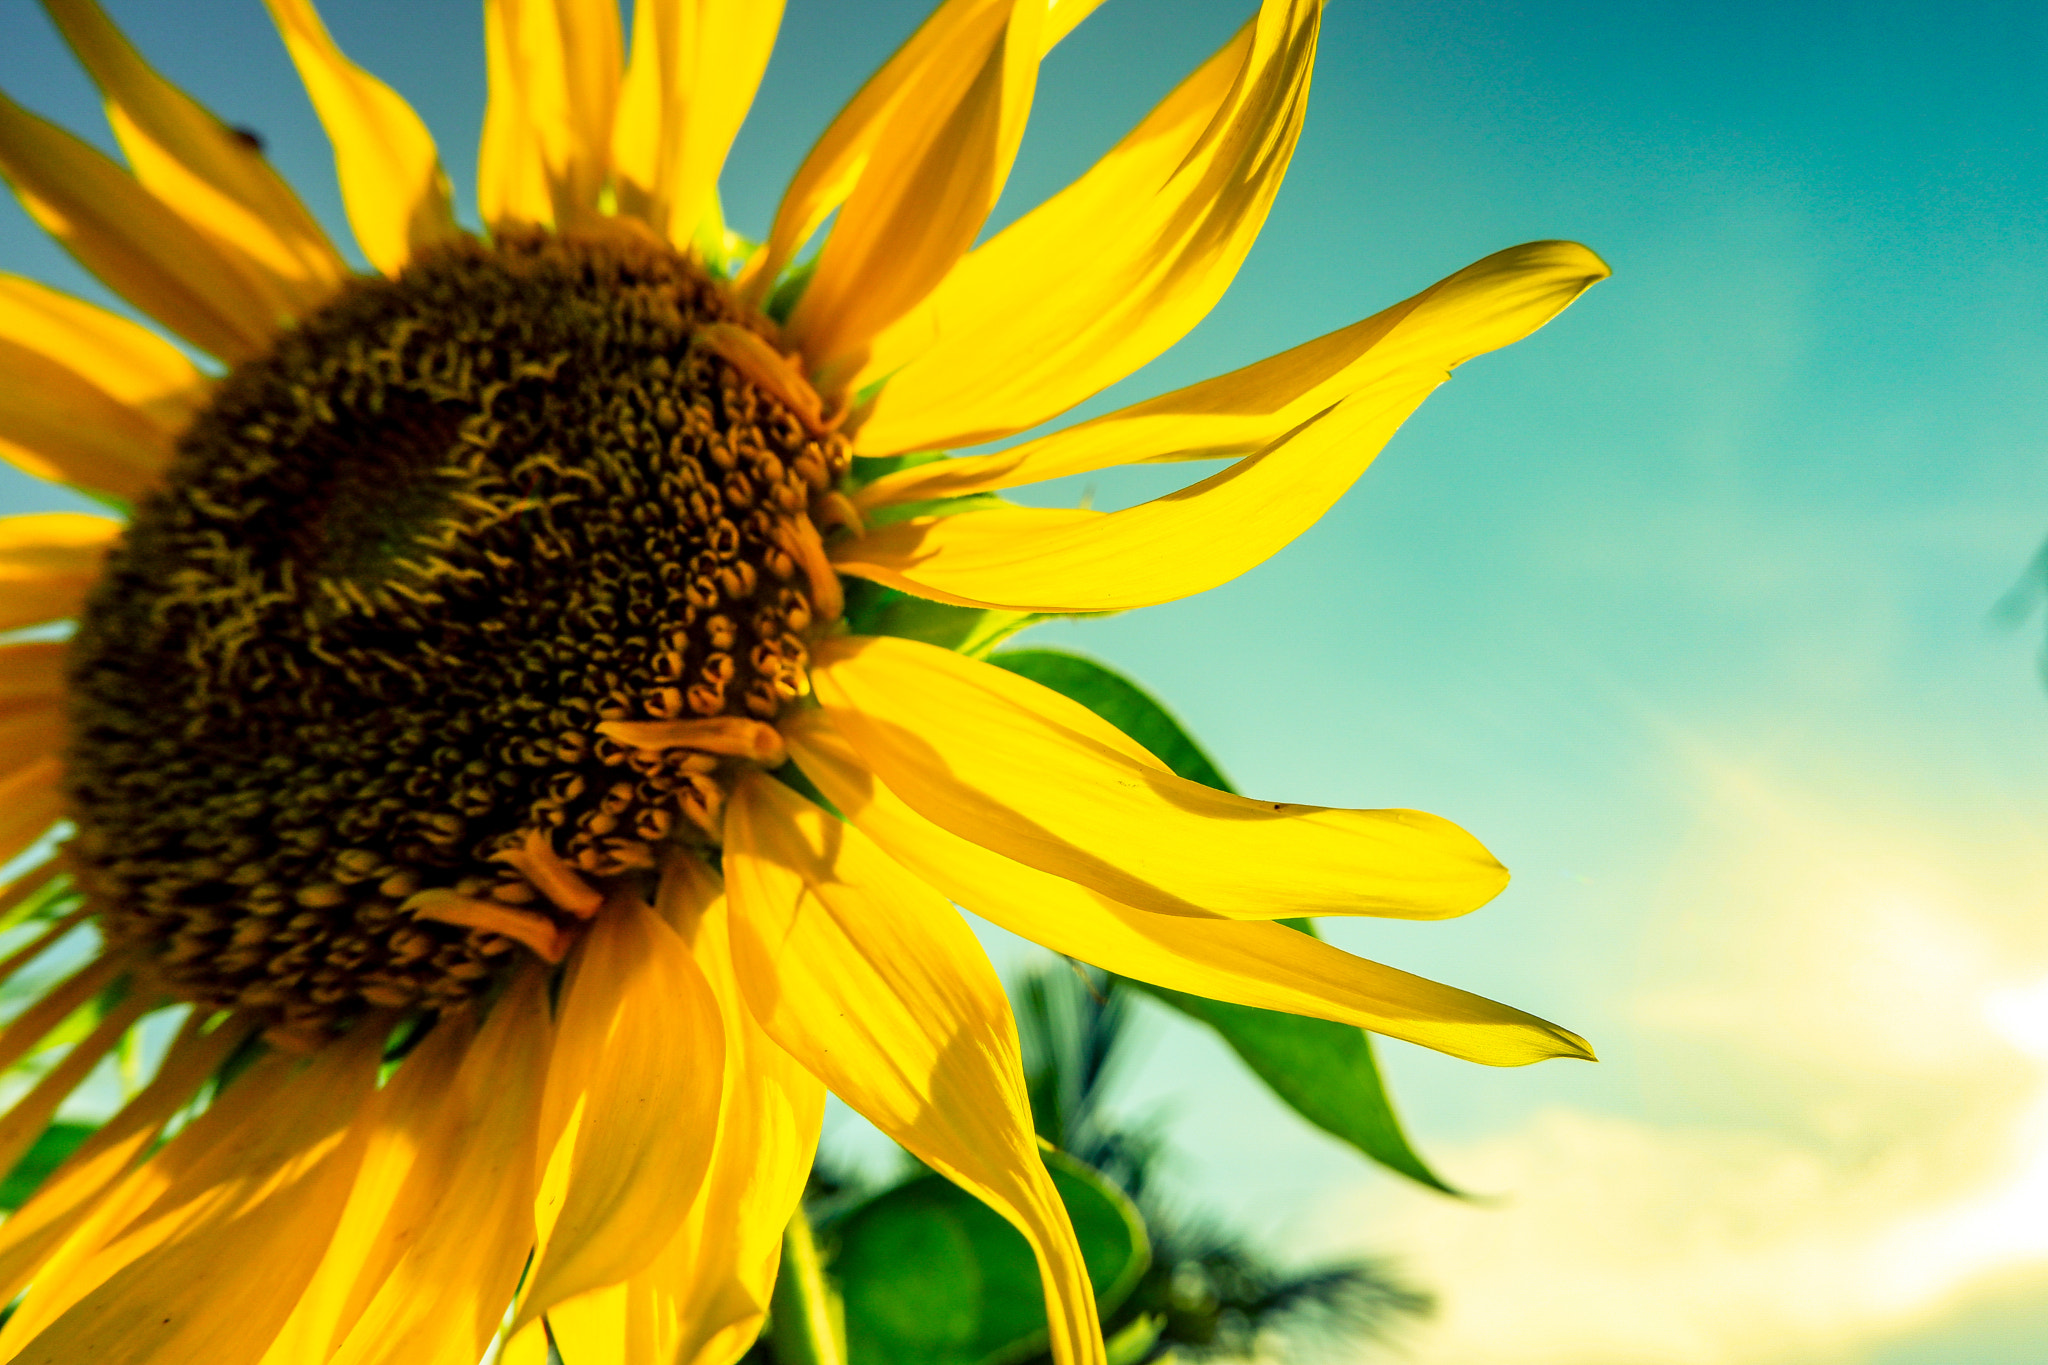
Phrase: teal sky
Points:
(1684, 606)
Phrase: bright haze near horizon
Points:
(1686, 606)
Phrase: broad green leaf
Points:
(1119, 701)
(58, 1141)
(1325, 1071)
(930, 1276)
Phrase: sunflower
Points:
(464, 749)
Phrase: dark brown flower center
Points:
(361, 643)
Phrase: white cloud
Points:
(1846, 1035)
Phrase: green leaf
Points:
(872, 609)
(1324, 1071)
(58, 1141)
(932, 1276)
(1122, 703)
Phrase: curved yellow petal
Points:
(703, 1300)
(445, 1297)
(1265, 965)
(206, 1145)
(48, 560)
(838, 159)
(928, 184)
(260, 1208)
(638, 1069)
(870, 979)
(695, 67)
(1060, 560)
(75, 1188)
(1028, 325)
(143, 249)
(1232, 415)
(211, 175)
(128, 362)
(409, 1160)
(554, 71)
(1023, 771)
(28, 1028)
(391, 177)
(26, 1118)
(57, 424)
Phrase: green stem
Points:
(809, 1322)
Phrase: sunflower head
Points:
(422, 715)
(341, 698)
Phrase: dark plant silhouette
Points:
(1208, 1293)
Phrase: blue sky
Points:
(1683, 605)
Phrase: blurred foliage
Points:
(1208, 1293)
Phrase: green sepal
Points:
(1324, 1071)
(789, 290)
(722, 249)
(872, 609)
(930, 1275)
(936, 507)
(113, 502)
(867, 468)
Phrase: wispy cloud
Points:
(1848, 1133)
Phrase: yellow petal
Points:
(26, 1118)
(258, 1209)
(721, 1268)
(554, 70)
(703, 1299)
(19, 896)
(638, 1066)
(74, 1268)
(408, 1162)
(32, 671)
(31, 801)
(445, 1297)
(54, 930)
(58, 425)
(1027, 325)
(47, 562)
(75, 1188)
(528, 1347)
(213, 176)
(128, 237)
(1023, 771)
(871, 980)
(1264, 965)
(696, 65)
(1067, 560)
(26, 1029)
(391, 176)
(836, 162)
(88, 398)
(928, 184)
(30, 732)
